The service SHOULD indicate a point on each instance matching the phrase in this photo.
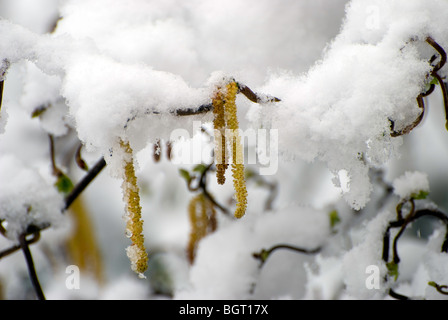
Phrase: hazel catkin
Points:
(136, 252)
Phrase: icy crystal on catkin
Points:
(226, 131)
(136, 252)
(220, 141)
(239, 182)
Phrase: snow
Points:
(411, 183)
(26, 198)
(37, 15)
(233, 271)
(339, 111)
(116, 71)
(110, 100)
(367, 251)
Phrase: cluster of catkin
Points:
(227, 134)
(201, 209)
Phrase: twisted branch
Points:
(202, 184)
(264, 254)
(442, 289)
(420, 102)
(402, 223)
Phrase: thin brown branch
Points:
(1, 92)
(444, 95)
(70, 198)
(4, 65)
(417, 121)
(193, 111)
(35, 231)
(407, 220)
(442, 289)
(264, 254)
(402, 224)
(11, 250)
(213, 200)
(437, 67)
(203, 186)
(398, 296)
(56, 171)
(2, 228)
(440, 50)
(430, 90)
(88, 178)
(252, 96)
(79, 160)
(245, 90)
(31, 269)
(420, 102)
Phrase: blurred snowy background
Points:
(251, 40)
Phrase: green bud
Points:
(419, 196)
(334, 218)
(200, 168)
(64, 184)
(185, 174)
(392, 267)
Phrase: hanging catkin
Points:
(202, 216)
(219, 124)
(239, 182)
(134, 224)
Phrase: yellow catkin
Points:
(82, 245)
(202, 216)
(239, 182)
(134, 223)
(219, 133)
(193, 234)
(212, 221)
